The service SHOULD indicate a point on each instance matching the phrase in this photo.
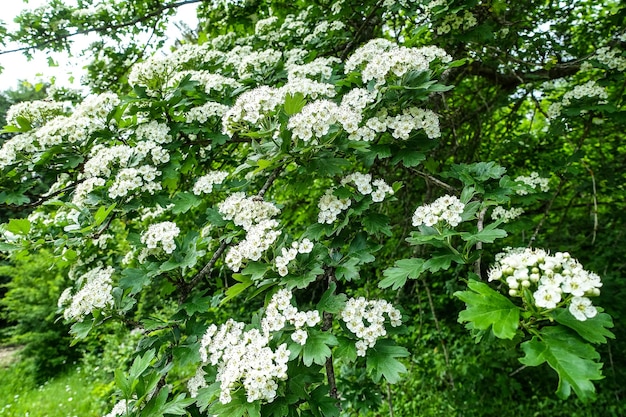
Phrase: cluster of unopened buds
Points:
(554, 280)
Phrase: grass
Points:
(71, 394)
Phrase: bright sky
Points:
(17, 67)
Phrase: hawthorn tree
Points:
(303, 205)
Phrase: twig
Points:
(479, 245)
(357, 36)
(435, 180)
(389, 399)
(329, 274)
(269, 181)
(520, 369)
(186, 290)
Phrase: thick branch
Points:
(104, 28)
(511, 81)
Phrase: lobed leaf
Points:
(487, 308)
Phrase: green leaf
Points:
(7, 247)
(488, 235)
(81, 329)
(327, 166)
(396, 276)
(376, 223)
(122, 383)
(177, 405)
(409, 158)
(18, 226)
(237, 407)
(235, 290)
(134, 279)
(102, 213)
(256, 270)
(442, 262)
(331, 302)
(140, 364)
(348, 270)
(488, 308)
(381, 361)
(323, 403)
(594, 330)
(294, 103)
(183, 202)
(573, 360)
(316, 349)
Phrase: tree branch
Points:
(186, 289)
(104, 28)
(511, 81)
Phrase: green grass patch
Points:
(73, 393)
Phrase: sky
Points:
(17, 67)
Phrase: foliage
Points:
(29, 306)
(314, 202)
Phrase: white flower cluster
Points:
(314, 119)
(365, 318)
(330, 206)
(203, 113)
(119, 409)
(380, 57)
(321, 30)
(243, 359)
(611, 57)
(456, 22)
(588, 90)
(447, 208)
(500, 213)
(288, 255)
(88, 117)
(256, 62)
(36, 112)
(250, 107)
(155, 73)
(161, 234)
(534, 181)
(308, 88)
(554, 279)
(204, 184)
(279, 312)
(254, 215)
(131, 179)
(400, 125)
(83, 189)
(154, 131)
(320, 67)
(365, 186)
(265, 25)
(412, 119)
(95, 294)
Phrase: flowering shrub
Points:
(266, 185)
